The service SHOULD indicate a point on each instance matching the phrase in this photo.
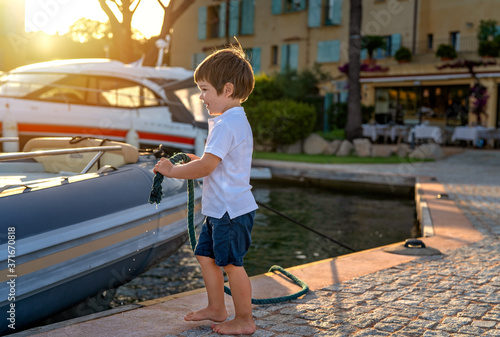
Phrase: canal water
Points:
(358, 220)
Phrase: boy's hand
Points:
(192, 156)
(163, 166)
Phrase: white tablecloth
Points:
(373, 131)
(398, 131)
(426, 132)
(473, 133)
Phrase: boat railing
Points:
(8, 139)
(45, 153)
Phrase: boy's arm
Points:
(196, 168)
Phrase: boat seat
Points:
(76, 162)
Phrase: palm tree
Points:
(371, 43)
(353, 127)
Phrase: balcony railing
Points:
(464, 44)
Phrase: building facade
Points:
(12, 36)
(299, 33)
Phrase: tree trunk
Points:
(122, 31)
(353, 127)
(173, 10)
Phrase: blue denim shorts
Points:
(226, 240)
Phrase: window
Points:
(274, 55)
(430, 41)
(455, 40)
(287, 6)
(214, 23)
(294, 5)
(328, 15)
(253, 55)
(126, 94)
(328, 51)
(289, 57)
(197, 59)
(333, 12)
(227, 18)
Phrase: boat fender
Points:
(9, 129)
(132, 137)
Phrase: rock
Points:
(382, 150)
(363, 147)
(291, 149)
(402, 150)
(314, 144)
(427, 151)
(345, 149)
(332, 147)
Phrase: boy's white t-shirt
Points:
(227, 188)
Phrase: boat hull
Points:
(73, 238)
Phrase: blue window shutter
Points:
(337, 12)
(276, 7)
(314, 13)
(302, 5)
(497, 32)
(197, 59)
(247, 16)
(379, 54)
(234, 17)
(202, 23)
(284, 57)
(328, 51)
(293, 60)
(222, 19)
(364, 54)
(395, 43)
(256, 60)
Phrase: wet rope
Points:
(155, 198)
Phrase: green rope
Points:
(155, 197)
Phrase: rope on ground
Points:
(155, 198)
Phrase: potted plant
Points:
(446, 52)
(488, 48)
(403, 55)
(371, 43)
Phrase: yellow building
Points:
(299, 33)
(12, 36)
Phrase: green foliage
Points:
(337, 115)
(487, 30)
(288, 85)
(281, 122)
(372, 42)
(446, 50)
(488, 48)
(403, 54)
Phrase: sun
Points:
(55, 17)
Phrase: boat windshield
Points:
(21, 85)
(79, 89)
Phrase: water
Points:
(359, 221)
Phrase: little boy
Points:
(225, 79)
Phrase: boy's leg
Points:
(241, 290)
(214, 283)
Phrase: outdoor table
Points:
(398, 132)
(426, 132)
(373, 131)
(473, 133)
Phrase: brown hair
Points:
(227, 65)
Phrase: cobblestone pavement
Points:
(455, 294)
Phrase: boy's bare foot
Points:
(235, 327)
(207, 314)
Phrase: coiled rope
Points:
(155, 198)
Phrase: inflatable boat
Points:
(76, 221)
